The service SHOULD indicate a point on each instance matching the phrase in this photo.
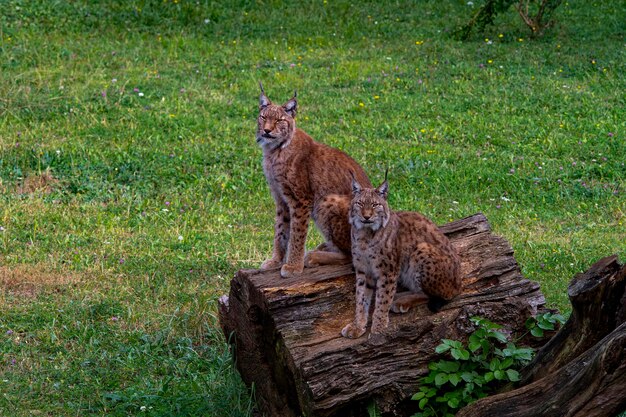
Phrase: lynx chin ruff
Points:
(391, 248)
(305, 178)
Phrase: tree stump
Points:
(581, 371)
(286, 333)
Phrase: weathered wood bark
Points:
(581, 371)
(597, 309)
(287, 342)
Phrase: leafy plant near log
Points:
(536, 14)
(547, 321)
(478, 368)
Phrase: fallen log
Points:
(581, 371)
(286, 339)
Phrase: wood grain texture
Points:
(287, 342)
(597, 297)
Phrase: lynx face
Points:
(369, 207)
(275, 124)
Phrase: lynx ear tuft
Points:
(263, 100)
(291, 107)
(356, 187)
(384, 187)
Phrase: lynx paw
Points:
(312, 259)
(351, 331)
(271, 263)
(290, 271)
(400, 307)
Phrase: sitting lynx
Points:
(396, 247)
(302, 175)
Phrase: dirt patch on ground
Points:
(43, 182)
(28, 281)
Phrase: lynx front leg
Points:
(385, 290)
(364, 291)
(281, 236)
(297, 238)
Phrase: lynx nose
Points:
(267, 130)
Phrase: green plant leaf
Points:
(545, 325)
(460, 354)
(423, 403)
(473, 343)
(536, 331)
(506, 363)
(418, 395)
(453, 403)
(488, 376)
(523, 354)
(449, 366)
(454, 379)
(372, 410)
(441, 379)
(456, 344)
(486, 346)
(499, 375)
(442, 348)
(467, 376)
(480, 333)
(499, 336)
(456, 353)
(513, 375)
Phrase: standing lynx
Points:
(396, 247)
(304, 177)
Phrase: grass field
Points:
(131, 187)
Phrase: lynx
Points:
(304, 177)
(391, 248)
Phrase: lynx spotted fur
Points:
(304, 177)
(391, 248)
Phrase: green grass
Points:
(131, 188)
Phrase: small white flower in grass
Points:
(58, 152)
(470, 3)
(180, 238)
(2, 229)
(140, 94)
(505, 198)
(143, 408)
